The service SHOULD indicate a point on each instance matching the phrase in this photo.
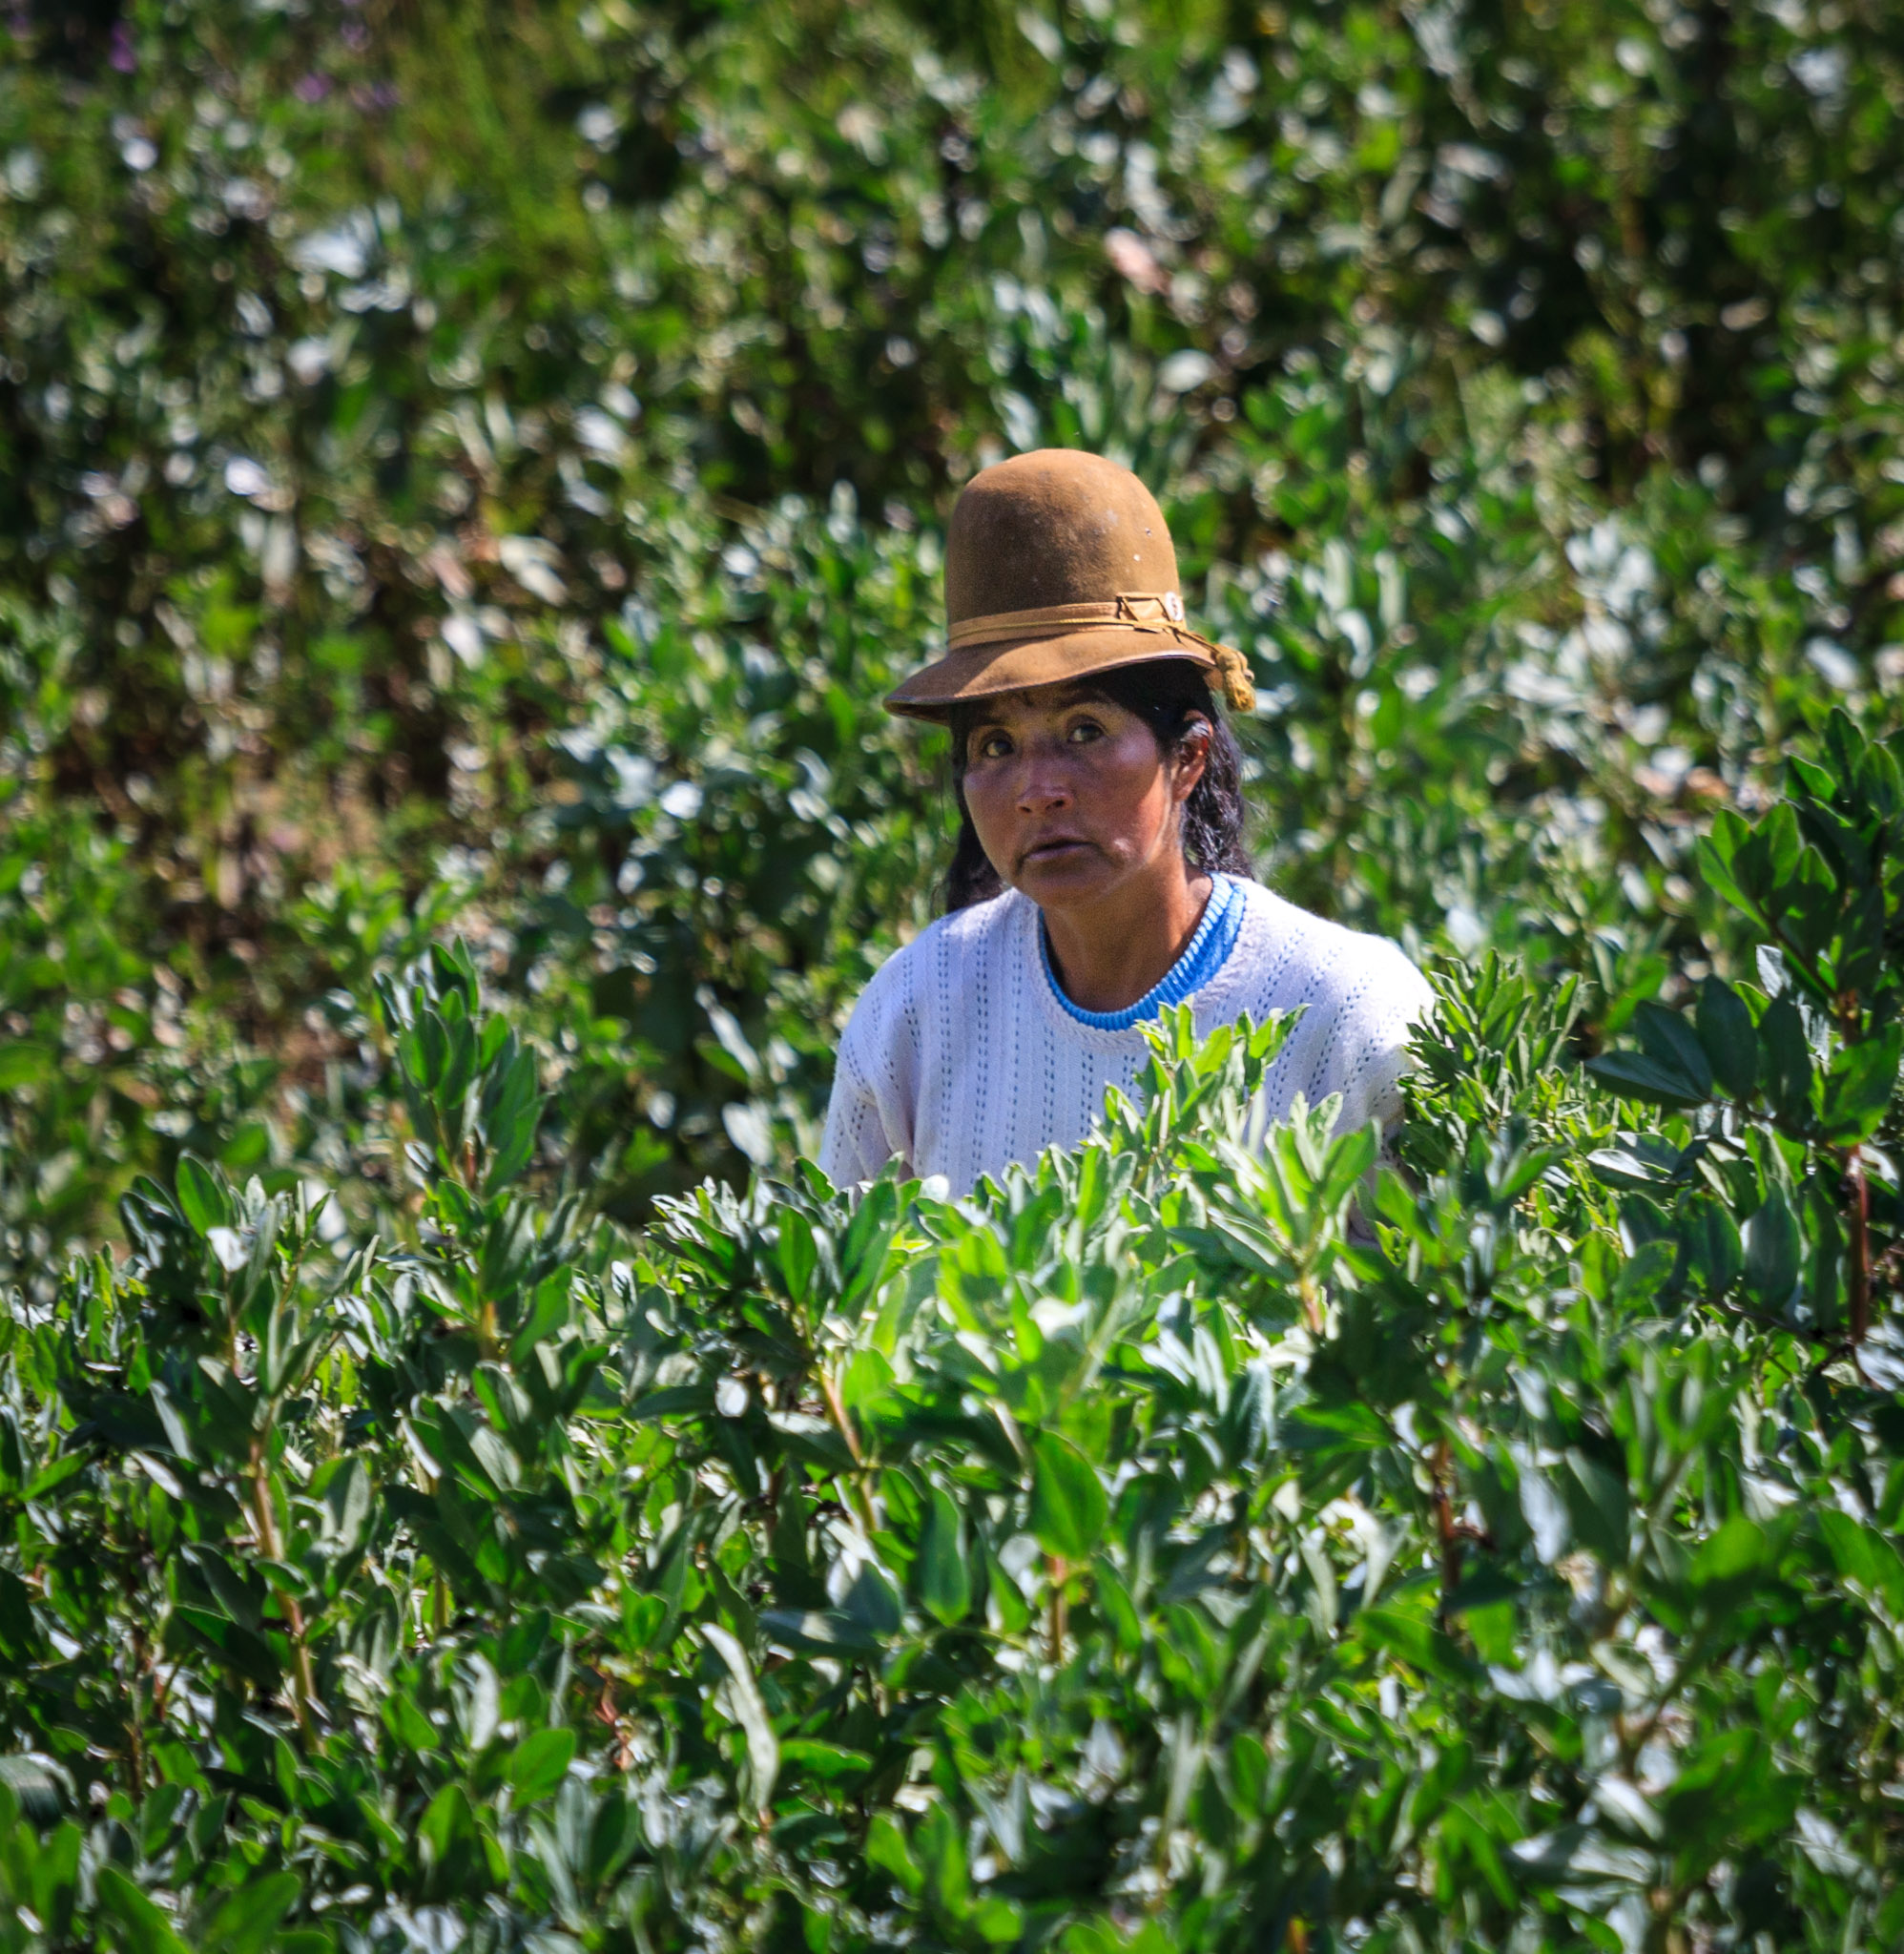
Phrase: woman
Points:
(1099, 872)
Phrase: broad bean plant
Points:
(1214, 1537)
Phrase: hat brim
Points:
(1018, 664)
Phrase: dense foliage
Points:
(474, 466)
(1139, 1550)
(467, 472)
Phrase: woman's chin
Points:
(1066, 878)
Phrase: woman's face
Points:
(1071, 795)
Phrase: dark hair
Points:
(1170, 696)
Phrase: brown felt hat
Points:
(1058, 564)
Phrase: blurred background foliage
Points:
(474, 466)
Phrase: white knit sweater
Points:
(960, 1057)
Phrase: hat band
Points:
(1139, 611)
(1142, 610)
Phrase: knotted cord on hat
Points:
(1139, 611)
(1239, 689)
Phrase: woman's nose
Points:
(1044, 787)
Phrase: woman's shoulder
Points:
(947, 949)
(1291, 950)
(967, 932)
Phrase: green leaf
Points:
(828, 1762)
(1858, 1088)
(862, 1252)
(540, 1763)
(405, 1722)
(1784, 1062)
(1574, 1853)
(69, 1465)
(1729, 1038)
(347, 1494)
(1774, 1253)
(1730, 1561)
(942, 1853)
(945, 1580)
(1645, 1275)
(42, 1790)
(887, 1852)
(1003, 1594)
(447, 1831)
(156, 1817)
(20, 1639)
(797, 1254)
(1719, 856)
(55, 1875)
(1772, 854)
(1709, 1238)
(1863, 1554)
(23, 1064)
(1069, 1507)
(820, 1632)
(251, 1917)
(1636, 1075)
(142, 1926)
(1415, 1640)
(1825, 1255)
(1667, 1039)
(763, 1750)
(1597, 1505)
(201, 1197)
(1119, 1610)
(512, 1114)
(1638, 1160)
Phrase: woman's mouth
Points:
(1058, 848)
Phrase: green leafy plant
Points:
(443, 444)
(467, 476)
(1211, 1534)
(1780, 1179)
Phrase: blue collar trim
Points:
(1203, 956)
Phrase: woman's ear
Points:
(1193, 757)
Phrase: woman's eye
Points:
(1084, 730)
(993, 746)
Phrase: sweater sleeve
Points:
(1376, 1044)
(855, 1145)
(869, 1116)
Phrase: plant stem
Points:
(1860, 1274)
(1309, 1293)
(303, 1689)
(135, 1728)
(837, 1412)
(1445, 1527)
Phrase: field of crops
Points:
(469, 471)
